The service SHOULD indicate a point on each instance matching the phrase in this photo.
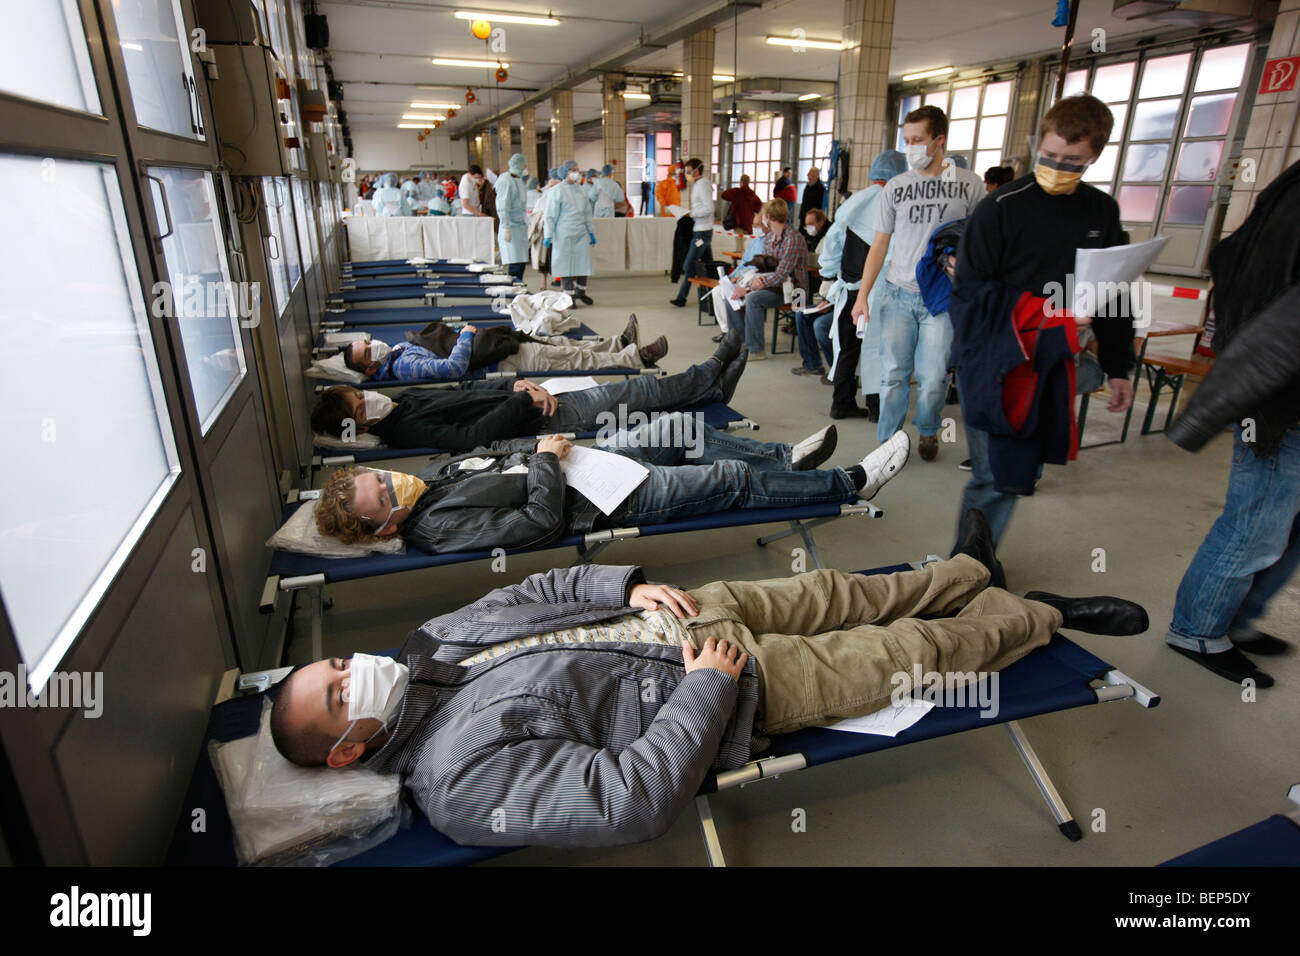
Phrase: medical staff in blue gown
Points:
(532, 194)
(567, 229)
(609, 195)
(512, 234)
(389, 200)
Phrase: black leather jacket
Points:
(484, 509)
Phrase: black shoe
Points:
(729, 346)
(719, 337)
(800, 370)
(1257, 642)
(730, 376)
(813, 451)
(978, 543)
(854, 412)
(631, 332)
(652, 353)
(965, 465)
(1096, 615)
(677, 302)
(583, 297)
(1232, 664)
(872, 404)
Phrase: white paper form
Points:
(728, 291)
(578, 383)
(677, 211)
(1116, 264)
(887, 722)
(604, 478)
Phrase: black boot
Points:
(978, 544)
(1096, 615)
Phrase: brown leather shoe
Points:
(928, 446)
(652, 353)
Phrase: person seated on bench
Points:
(787, 247)
(439, 352)
(585, 705)
(475, 414)
(515, 495)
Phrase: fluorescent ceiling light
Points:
(810, 96)
(451, 61)
(636, 96)
(815, 44)
(412, 125)
(423, 116)
(925, 74)
(507, 18)
(435, 106)
(717, 77)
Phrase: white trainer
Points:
(814, 450)
(884, 463)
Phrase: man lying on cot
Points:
(584, 706)
(515, 494)
(510, 351)
(475, 414)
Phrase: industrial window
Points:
(977, 120)
(816, 128)
(159, 68)
(92, 454)
(46, 59)
(757, 153)
(205, 305)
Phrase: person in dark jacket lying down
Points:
(514, 495)
(584, 706)
(475, 414)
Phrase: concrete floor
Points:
(1202, 764)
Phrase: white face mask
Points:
(811, 230)
(918, 156)
(377, 405)
(375, 689)
(379, 351)
(574, 177)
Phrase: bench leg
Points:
(1064, 821)
(712, 845)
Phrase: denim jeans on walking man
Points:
(729, 471)
(912, 342)
(579, 411)
(700, 249)
(1249, 554)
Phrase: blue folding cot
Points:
(429, 290)
(414, 316)
(1271, 842)
(1058, 676)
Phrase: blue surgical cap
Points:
(887, 165)
(517, 163)
(568, 165)
(607, 170)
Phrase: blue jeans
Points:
(980, 492)
(729, 471)
(589, 409)
(1250, 552)
(756, 306)
(815, 333)
(701, 247)
(912, 341)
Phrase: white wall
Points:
(397, 150)
(588, 155)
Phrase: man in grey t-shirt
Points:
(914, 204)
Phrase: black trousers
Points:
(682, 236)
(844, 398)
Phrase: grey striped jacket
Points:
(593, 745)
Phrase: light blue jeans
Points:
(1249, 554)
(912, 341)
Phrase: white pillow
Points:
(364, 441)
(284, 813)
(340, 339)
(335, 369)
(300, 535)
(495, 278)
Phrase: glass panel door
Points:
(156, 51)
(47, 59)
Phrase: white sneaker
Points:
(813, 450)
(884, 463)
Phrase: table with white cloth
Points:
(430, 237)
(609, 254)
(650, 243)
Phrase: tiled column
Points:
(1029, 85)
(1273, 133)
(561, 127)
(528, 139)
(864, 84)
(613, 125)
(493, 149)
(697, 97)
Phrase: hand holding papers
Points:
(1102, 276)
(604, 478)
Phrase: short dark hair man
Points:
(584, 706)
